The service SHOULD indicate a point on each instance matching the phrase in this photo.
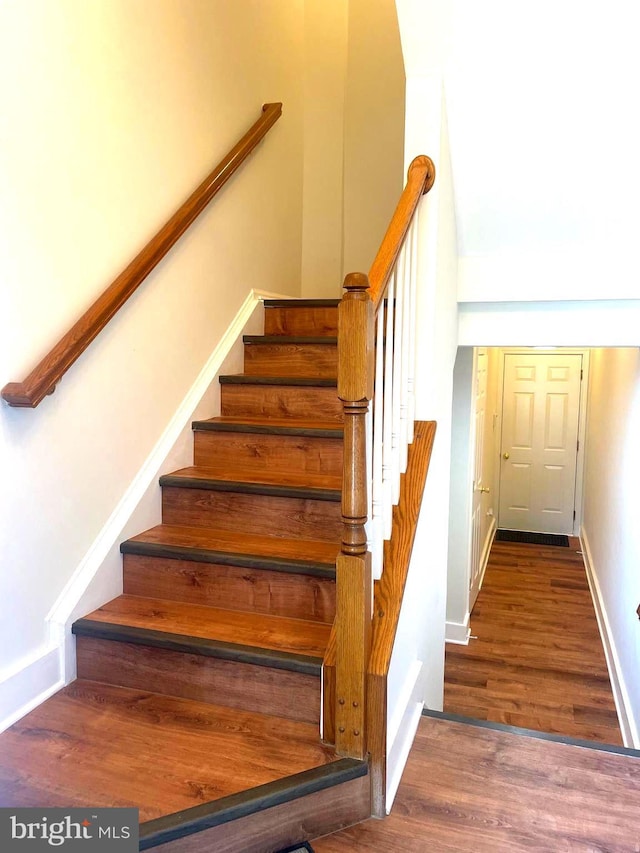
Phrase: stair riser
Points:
(282, 826)
(231, 587)
(301, 321)
(291, 360)
(281, 401)
(267, 515)
(264, 689)
(226, 452)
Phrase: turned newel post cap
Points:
(355, 281)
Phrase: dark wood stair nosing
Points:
(301, 303)
(257, 379)
(227, 558)
(289, 339)
(235, 806)
(248, 488)
(268, 429)
(206, 647)
(533, 733)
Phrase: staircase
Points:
(199, 689)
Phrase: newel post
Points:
(353, 566)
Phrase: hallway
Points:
(535, 659)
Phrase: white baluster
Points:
(405, 354)
(369, 524)
(397, 377)
(377, 514)
(387, 448)
(413, 302)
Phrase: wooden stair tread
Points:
(255, 379)
(231, 627)
(322, 340)
(301, 303)
(327, 486)
(281, 426)
(114, 746)
(313, 552)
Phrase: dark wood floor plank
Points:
(535, 659)
(111, 746)
(473, 790)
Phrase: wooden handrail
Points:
(420, 177)
(43, 379)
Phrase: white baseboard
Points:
(398, 756)
(396, 714)
(458, 632)
(28, 684)
(628, 725)
(402, 723)
(486, 551)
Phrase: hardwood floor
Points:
(535, 659)
(471, 790)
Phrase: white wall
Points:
(491, 456)
(544, 141)
(461, 473)
(610, 530)
(110, 117)
(417, 664)
(437, 348)
(571, 324)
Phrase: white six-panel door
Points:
(540, 412)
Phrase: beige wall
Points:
(354, 136)
(326, 43)
(610, 518)
(374, 129)
(112, 111)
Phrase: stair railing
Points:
(376, 361)
(45, 376)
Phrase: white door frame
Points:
(582, 419)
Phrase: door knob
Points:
(485, 489)
(505, 455)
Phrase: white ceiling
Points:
(543, 102)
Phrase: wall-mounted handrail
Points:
(376, 361)
(43, 378)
